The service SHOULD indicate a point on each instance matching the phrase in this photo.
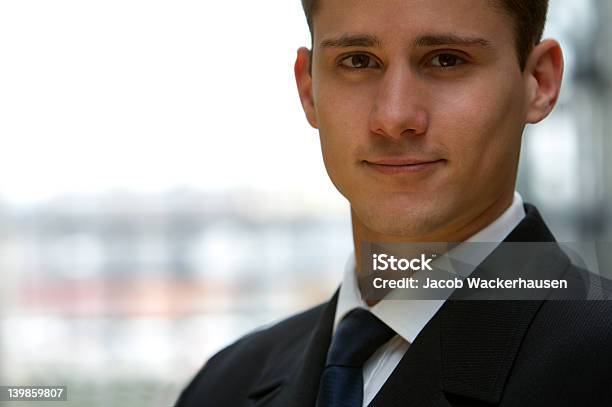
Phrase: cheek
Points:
(482, 126)
(342, 118)
(342, 106)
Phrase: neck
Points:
(454, 233)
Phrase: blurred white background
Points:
(161, 193)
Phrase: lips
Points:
(403, 165)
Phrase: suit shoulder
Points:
(282, 331)
(229, 374)
(573, 333)
(275, 337)
(578, 317)
(566, 355)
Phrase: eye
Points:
(446, 61)
(358, 61)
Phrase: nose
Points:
(399, 109)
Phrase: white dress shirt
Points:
(408, 317)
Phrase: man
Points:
(421, 106)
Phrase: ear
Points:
(303, 78)
(544, 70)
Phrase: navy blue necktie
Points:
(357, 336)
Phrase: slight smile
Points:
(402, 166)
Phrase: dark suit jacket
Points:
(472, 353)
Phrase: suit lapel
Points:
(479, 342)
(467, 350)
(292, 378)
(481, 339)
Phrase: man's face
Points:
(420, 106)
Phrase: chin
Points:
(410, 222)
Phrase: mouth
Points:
(393, 166)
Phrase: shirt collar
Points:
(409, 317)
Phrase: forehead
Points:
(401, 20)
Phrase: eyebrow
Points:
(352, 40)
(427, 40)
(449, 39)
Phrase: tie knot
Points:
(358, 335)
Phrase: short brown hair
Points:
(529, 17)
